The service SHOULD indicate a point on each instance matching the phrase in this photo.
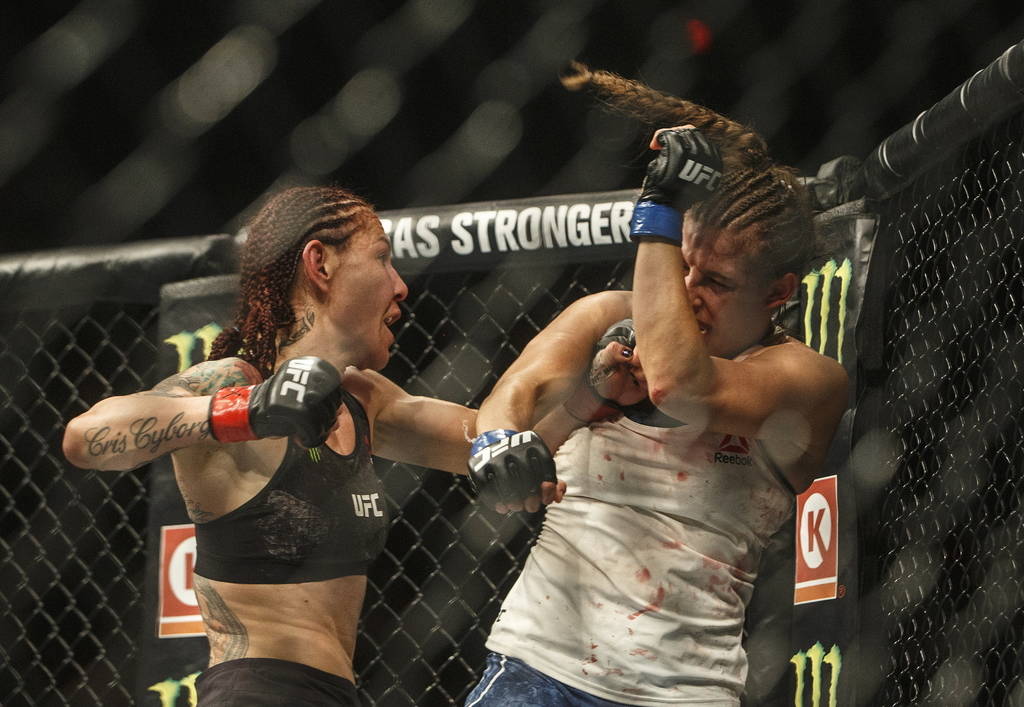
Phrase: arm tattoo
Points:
(174, 387)
(146, 433)
(214, 375)
(301, 328)
(228, 636)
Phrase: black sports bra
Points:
(322, 515)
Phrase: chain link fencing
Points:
(948, 439)
(941, 455)
(73, 540)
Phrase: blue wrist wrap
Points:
(486, 439)
(651, 219)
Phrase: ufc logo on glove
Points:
(698, 173)
(500, 447)
(298, 369)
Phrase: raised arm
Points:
(127, 431)
(784, 393)
(763, 395)
(552, 364)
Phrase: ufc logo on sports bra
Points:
(366, 505)
(298, 369)
(697, 173)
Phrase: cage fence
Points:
(950, 580)
(941, 462)
(73, 542)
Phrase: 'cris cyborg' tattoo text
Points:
(143, 434)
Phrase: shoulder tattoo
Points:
(207, 378)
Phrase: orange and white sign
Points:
(179, 609)
(817, 542)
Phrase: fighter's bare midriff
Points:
(313, 623)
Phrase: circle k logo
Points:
(817, 542)
(815, 530)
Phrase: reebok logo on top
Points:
(733, 449)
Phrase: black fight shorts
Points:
(268, 682)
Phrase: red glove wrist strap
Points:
(229, 415)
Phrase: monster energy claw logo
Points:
(815, 656)
(185, 341)
(170, 689)
(824, 277)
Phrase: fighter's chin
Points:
(373, 360)
(380, 359)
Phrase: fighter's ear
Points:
(315, 265)
(781, 290)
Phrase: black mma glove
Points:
(686, 170)
(622, 331)
(506, 466)
(300, 399)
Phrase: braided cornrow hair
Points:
(765, 200)
(275, 238)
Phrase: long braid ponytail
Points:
(754, 191)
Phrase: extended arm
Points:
(127, 431)
(430, 433)
(215, 401)
(552, 363)
(411, 428)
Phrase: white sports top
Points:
(637, 586)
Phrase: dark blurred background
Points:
(123, 120)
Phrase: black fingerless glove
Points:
(621, 331)
(300, 399)
(506, 466)
(644, 412)
(686, 170)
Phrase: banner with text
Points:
(569, 228)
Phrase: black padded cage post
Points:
(939, 440)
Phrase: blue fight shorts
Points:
(510, 682)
